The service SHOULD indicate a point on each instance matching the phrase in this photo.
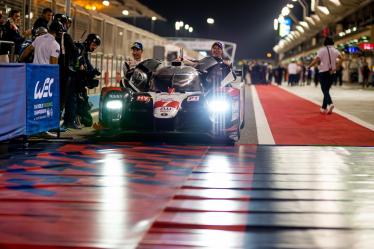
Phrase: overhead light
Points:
(106, 3)
(186, 27)
(290, 5)
(348, 31)
(310, 20)
(190, 29)
(299, 28)
(304, 24)
(125, 12)
(210, 20)
(341, 34)
(285, 11)
(154, 18)
(181, 23)
(93, 7)
(324, 10)
(336, 2)
(276, 23)
(354, 29)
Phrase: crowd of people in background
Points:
(296, 73)
(48, 42)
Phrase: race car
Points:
(176, 99)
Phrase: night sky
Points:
(248, 23)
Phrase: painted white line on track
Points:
(341, 113)
(264, 134)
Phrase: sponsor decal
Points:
(43, 91)
(166, 109)
(143, 98)
(172, 104)
(193, 98)
(115, 96)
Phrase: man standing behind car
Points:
(46, 17)
(12, 31)
(45, 47)
(137, 57)
(85, 78)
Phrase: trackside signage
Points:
(12, 100)
(43, 90)
(43, 100)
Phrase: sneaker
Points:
(330, 108)
(323, 111)
(71, 125)
(47, 135)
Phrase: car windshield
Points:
(182, 80)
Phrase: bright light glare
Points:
(106, 3)
(218, 105)
(186, 27)
(114, 104)
(324, 10)
(190, 29)
(125, 12)
(304, 24)
(285, 11)
(154, 18)
(210, 20)
(276, 23)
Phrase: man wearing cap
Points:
(216, 51)
(137, 57)
(137, 54)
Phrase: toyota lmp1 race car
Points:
(176, 99)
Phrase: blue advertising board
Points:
(43, 98)
(12, 100)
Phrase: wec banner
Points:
(43, 99)
(12, 100)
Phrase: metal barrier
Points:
(110, 67)
(9, 55)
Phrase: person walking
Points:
(292, 69)
(328, 58)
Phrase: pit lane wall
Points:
(29, 99)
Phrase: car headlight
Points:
(114, 104)
(218, 105)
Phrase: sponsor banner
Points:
(43, 98)
(12, 100)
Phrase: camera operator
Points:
(66, 61)
(85, 77)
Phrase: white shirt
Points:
(45, 46)
(292, 68)
(323, 55)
